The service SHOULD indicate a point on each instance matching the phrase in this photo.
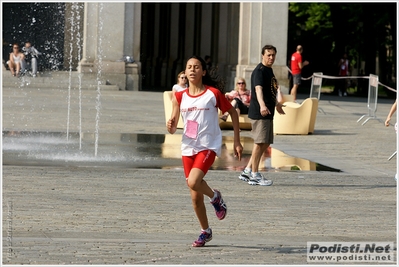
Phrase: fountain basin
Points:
(157, 151)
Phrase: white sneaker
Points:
(265, 182)
(258, 179)
(245, 175)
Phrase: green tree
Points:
(365, 31)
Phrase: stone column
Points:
(262, 23)
(132, 45)
(103, 45)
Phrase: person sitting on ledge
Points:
(31, 56)
(15, 63)
(240, 98)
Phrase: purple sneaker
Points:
(220, 206)
(202, 239)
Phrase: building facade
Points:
(157, 38)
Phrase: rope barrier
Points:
(344, 77)
(389, 88)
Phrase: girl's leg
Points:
(17, 68)
(12, 67)
(196, 183)
(198, 187)
(195, 168)
(199, 208)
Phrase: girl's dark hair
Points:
(211, 77)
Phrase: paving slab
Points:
(113, 215)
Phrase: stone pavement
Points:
(108, 215)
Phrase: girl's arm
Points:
(237, 143)
(391, 112)
(171, 125)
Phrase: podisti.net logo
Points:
(382, 252)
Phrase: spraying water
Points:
(98, 98)
(70, 69)
(79, 75)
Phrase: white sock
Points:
(248, 170)
(214, 196)
(206, 230)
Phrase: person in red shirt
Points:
(296, 68)
(343, 71)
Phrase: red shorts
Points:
(203, 161)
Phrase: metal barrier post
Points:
(371, 100)
(393, 155)
(315, 88)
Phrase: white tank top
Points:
(17, 59)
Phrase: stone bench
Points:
(298, 118)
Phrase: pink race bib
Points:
(191, 129)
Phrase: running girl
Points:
(202, 138)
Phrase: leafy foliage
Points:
(365, 31)
(317, 16)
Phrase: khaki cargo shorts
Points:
(262, 131)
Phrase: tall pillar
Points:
(132, 45)
(103, 45)
(262, 23)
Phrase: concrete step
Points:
(58, 79)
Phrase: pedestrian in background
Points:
(343, 65)
(181, 82)
(264, 87)
(296, 69)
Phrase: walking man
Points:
(263, 103)
(296, 69)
